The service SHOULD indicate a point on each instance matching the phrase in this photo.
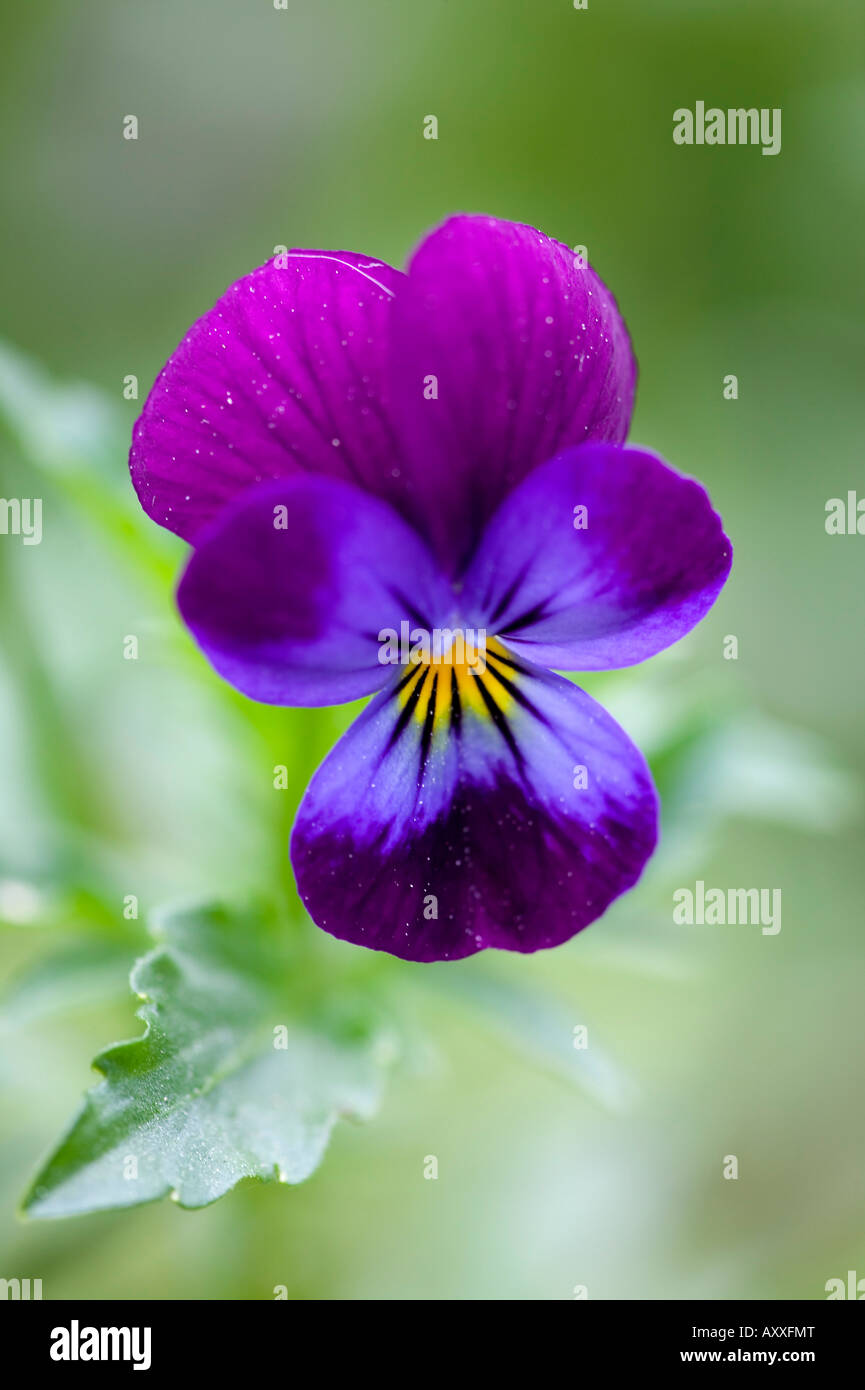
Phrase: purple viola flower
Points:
(430, 467)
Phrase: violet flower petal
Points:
(284, 374)
(289, 588)
(505, 350)
(440, 825)
(607, 586)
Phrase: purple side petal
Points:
(437, 828)
(528, 354)
(284, 374)
(290, 587)
(646, 567)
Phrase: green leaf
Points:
(208, 1096)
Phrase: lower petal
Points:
(465, 810)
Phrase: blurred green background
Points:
(260, 127)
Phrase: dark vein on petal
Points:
(407, 710)
(411, 674)
(506, 661)
(501, 724)
(427, 731)
(509, 595)
(514, 691)
(534, 615)
(414, 613)
(456, 705)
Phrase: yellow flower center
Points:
(469, 676)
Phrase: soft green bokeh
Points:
(261, 127)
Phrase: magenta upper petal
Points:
(289, 589)
(286, 373)
(509, 815)
(601, 558)
(505, 350)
